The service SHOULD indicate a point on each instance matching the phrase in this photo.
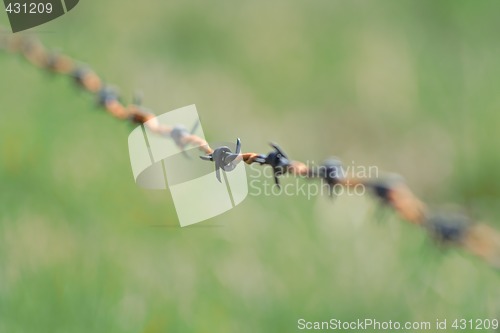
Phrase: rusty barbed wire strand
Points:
(447, 228)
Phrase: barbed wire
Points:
(449, 228)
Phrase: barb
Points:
(445, 227)
(224, 159)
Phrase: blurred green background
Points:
(408, 86)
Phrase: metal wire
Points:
(447, 228)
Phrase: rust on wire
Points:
(448, 228)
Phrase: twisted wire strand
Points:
(447, 228)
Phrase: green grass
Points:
(409, 86)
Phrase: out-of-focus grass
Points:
(410, 86)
